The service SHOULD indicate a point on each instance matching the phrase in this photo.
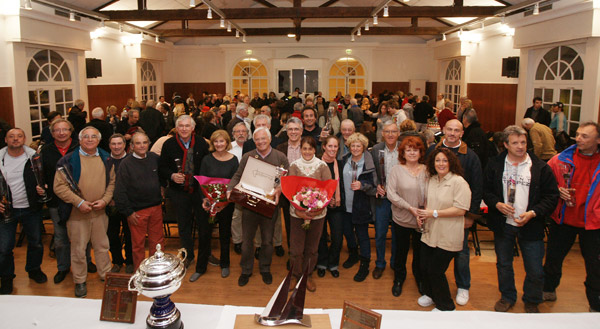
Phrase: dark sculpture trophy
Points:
(5, 199)
(36, 162)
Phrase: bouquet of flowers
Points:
(308, 194)
(215, 190)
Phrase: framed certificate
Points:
(358, 317)
(118, 303)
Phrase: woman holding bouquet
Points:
(304, 238)
(406, 188)
(356, 186)
(448, 198)
(219, 164)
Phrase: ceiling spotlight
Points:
(375, 20)
(443, 36)
(121, 28)
(102, 23)
(503, 19)
(209, 13)
(27, 5)
(192, 3)
(156, 39)
(460, 33)
(386, 11)
(228, 26)
(352, 39)
(358, 32)
(222, 23)
(72, 16)
(406, 0)
(536, 9)
(291, 35)
(237, 34)
(367, 27)
(244, 38)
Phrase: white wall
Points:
(403, 64)
(194, 64)
(484, 63)
(117, 65)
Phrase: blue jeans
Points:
(31, 221)
(364, 244)
(62, 244)
(329, 257)
(383, 216)
(533, 256)
(462, 272)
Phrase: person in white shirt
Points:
(240, 134)
(520, 191)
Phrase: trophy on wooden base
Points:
(158, 277)
(281, 310)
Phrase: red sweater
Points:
(444, 116)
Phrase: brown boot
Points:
(310, 284)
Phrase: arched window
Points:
(346, 75)
(50, 88)
(559, 78)
(249, 76)
(148, 78)
(452, 82)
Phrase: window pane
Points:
(565, 96)
(548, 96)
(60, 108)
(68, 95)
(576, 97)
(35, 128)
(284, 81)
(34, 113)
(32, 70)
(552, 55)
(58, 96)
(45, 110)
(573, 128)
(298, 80)
(312, 81)
(567, 54)
(43, 74)
(554, 70)
(577, 69)
(44, 97)
(541, 69)
(33, 97)
(538, 92)
(41, 57)
(575, 113)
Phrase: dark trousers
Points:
(204, 237)
(117, 220)
(223, 219)
(364, 244)
(31, 221)
(560, 241)
(403, 244)
(188, 208)
(250, 223)
(304, 245)
(329, 257)
(533, 257)
(434, 263)
(348, 230)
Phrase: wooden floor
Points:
(331, 292)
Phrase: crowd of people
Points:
(113, 173)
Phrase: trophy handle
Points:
(135, 287)
(184, 252)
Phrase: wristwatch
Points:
(435, 214)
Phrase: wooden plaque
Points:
(358, 317)
(118, 303)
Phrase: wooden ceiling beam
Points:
(265, 3)
(302, 12)
(328, 3)
(104, 5)
(305, 31)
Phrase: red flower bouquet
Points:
(308, 194)
(215, 190)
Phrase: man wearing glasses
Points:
(83, 209)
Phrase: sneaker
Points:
(214, 261)
(91, 267)
(116, 268)
(435, 309)
(129, 268)
(549, 296)
(80, 290)
(60, 276)
(335, 273)
(279, 251)
(531, 308)
(225, 272)
(462, 296)
(38, 276)
(425, 301)
(503, 306)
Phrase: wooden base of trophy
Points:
(317, 321)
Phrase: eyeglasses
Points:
(390, 132)
(62, 130)
(90, 137)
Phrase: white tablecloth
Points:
(39, 312)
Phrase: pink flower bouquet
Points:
(215, 190)
(308, 194)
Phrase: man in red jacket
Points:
(577, 171)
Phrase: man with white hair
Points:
(241, 115)
(261, 120)
(84, 212)
(541, 137)
(77, 116)
(252, 220)
(347, 128)
(189, 149)
(152, 121)
(105, 128)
